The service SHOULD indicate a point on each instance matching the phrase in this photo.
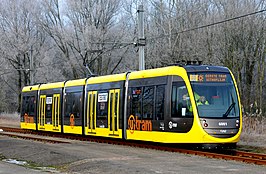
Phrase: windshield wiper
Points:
(229, 109)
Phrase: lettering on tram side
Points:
(26, 116)
(140, 125)
(28, 119)
(72, 121)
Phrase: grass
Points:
(11, 116)
(7, 119)
(32, 165)
(251, 149)
(254, 124)
(254, 132)
(2, 157)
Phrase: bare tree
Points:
(52, 22)
(95, 36)
(20, 39)
(63, 36)
(173, 35)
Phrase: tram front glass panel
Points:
(215, 95)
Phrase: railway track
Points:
(247, 157)
(18, 133)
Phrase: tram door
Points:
(56, 111)
(42, 107)
(113, 112)
(91, 111)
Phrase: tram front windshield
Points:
(215, 95)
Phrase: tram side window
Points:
(148, 102)
(159, 105)
(102, 111)
(73, 104)
(49, 101)
(136, 101)
(181, 105)
(28, 105)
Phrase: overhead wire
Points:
(186, 30)
(207, 25)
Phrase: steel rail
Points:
(33, 138)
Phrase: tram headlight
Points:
(237, 123)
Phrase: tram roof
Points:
(78, 82)
(30, 88)
(107, 78)
(205, 68)
(170, 70)
(52, 85)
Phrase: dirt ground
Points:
(9, 120)
(254, 134)
(88, 157)
(78, 157)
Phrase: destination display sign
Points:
(212, 77)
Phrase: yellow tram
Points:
(196, 104)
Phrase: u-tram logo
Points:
(141, 125)
(201, 78)
(72, 121)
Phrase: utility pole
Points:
(31, 68)
(141, 38)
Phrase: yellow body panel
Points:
(103, 132)
(73, 129)
(50, 128)
(28, 125)
(193, 136)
